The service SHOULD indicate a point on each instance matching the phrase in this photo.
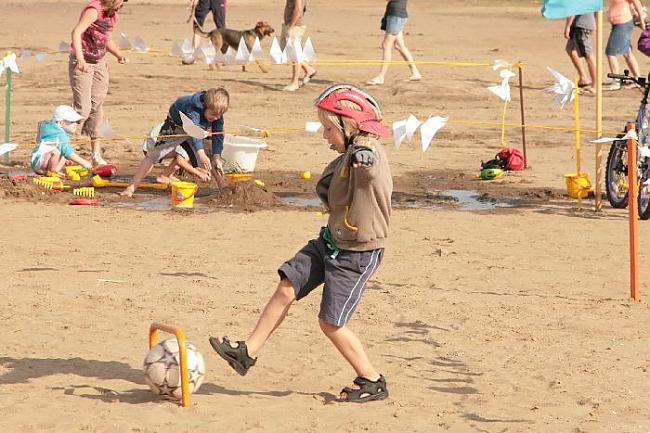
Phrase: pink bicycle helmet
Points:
(367, 118)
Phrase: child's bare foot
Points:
(128, 191)
(174, 178)
(415, 77)
(291, 87)
(164, 180)
(377, 81)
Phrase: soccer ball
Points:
(162, 370)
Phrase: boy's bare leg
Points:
(387, 56)
(143, 169)
(274, 313)
(166, 176)
(575, 59)
(632, 63)
(613, 64)
(591, 65)
(348, 344)
(400, 45)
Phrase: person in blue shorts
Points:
(393, 23)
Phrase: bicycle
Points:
(616, 182)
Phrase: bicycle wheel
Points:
(644, 192)
(616, 175)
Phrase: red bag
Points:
(514, 159)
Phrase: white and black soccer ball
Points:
(162, 370)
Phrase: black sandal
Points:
(236, 357)
(373, 390)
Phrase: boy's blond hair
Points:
(349, 125)
(217, 100)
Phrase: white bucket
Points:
(242, 151)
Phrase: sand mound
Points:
(247, 195)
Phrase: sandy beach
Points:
(506, 311)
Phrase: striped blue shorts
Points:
(344, 277)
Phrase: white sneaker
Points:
(98, 160)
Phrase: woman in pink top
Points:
(88, 72)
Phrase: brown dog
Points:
(224, 38)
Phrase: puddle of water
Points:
(301, 201)
(434, 200)
(472, 200)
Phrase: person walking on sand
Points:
(294, 27)
(393, 23)
(621, 16)
(87, 69)
(198, 15)
(578, 31)
(356, 189)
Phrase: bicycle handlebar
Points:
(641, 81)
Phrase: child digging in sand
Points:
(53, 147)
(356, 189)
(205, 109)
(183, 158)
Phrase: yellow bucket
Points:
(577, 185)
(182, 194)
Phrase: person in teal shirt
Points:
(53, 148)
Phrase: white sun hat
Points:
(65, 112)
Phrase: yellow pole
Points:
(182, 351)
(576, 114)
(599, 109)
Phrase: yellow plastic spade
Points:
(99, 182)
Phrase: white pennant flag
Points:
(64, 47)
(25, 53)
(429, 129)
(9, 62)
(563, 89)
(499, 64)
(313, 126)
(412, 124)
(186, 48)
(41, 56)
(630, 134)
(219, 57)
(229, 57)
(43, 148)
(399, 132)
(276, 52)
(124, 43)
(256, 52)
(106, 130)
(191, 128)
(308, 52)
(140, 45)
(243, 55)
(6, 148)
(503, 90)
(294, 51)
(176, 50)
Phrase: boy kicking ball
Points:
(356, 189)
